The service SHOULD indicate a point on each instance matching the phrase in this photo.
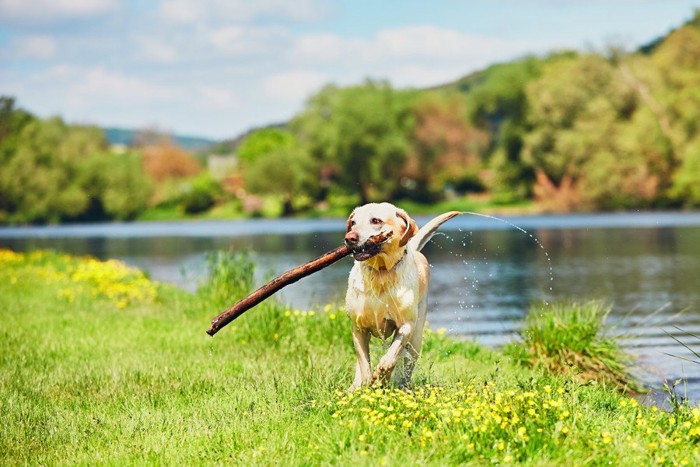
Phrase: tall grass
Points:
(572, 338)
(86, 381)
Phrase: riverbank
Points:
(102, 365)
(272, 207)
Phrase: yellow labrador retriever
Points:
(387, 287)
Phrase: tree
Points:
(282, 171)
(52, 171)
(359, 133)
(445, 148)
(262, 142)
(589, 136)
(126, 189)
(498, 103)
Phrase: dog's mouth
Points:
(367, 251)
(371, 248)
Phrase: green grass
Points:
(571, 338)
(100, 366)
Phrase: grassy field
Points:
(100, 365)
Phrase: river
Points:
(485, 272)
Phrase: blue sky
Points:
(216, 68)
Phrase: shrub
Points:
(565, 338)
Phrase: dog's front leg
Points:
(390, 359)
(363, 371)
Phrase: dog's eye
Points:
(352, 223)
(375, 221)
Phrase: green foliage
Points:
(229, 278)
(686, 180)
(262, 142)
(126, 189)
(359, 134)
(199, 194)
(284, 171)
(54, 172)
(571, 339)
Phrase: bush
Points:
(565, 338)
(200, 194)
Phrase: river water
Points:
(485, 272)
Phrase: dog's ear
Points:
(411, 227)
(349, 223)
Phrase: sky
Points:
(216, 68)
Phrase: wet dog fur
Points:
(387, 288)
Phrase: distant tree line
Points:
(573, 131)
(53, 172)
(570, 131)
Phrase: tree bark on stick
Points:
(274, 285)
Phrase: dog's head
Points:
(380, 232)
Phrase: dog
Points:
(387, 291)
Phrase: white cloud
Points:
(90, 86)
(215, 97)
(53, 10)
(154, 49)
(407, 56)
(239, 11)
(38, 47)
(294, 85)
(240, 40)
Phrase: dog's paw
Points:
(382, 374)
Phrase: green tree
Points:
(262, 142)
(52, 171)
(359, 133)
(126, 189)
(498, 103)
(590, 137)
(39, 179)
(282, 171)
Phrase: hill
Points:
(189, 143)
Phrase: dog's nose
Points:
(351, 238)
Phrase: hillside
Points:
(189, 143)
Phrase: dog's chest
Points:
(377, 297)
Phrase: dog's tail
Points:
(426, 232)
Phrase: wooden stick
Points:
(274, 285)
